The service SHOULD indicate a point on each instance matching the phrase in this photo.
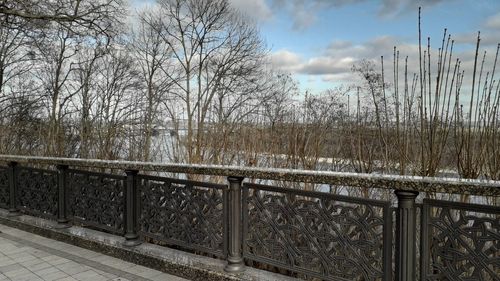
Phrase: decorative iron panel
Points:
(4, 187)
(37, 192)
(318, 234)
(460, 241)
(184, 213)
(97, 200)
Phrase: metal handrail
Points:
(392, 182)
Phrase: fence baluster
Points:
(13, 210)
(131, 209)
(235, 255)
(405, 235)
(62, 189)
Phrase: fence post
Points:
(235, 256)
(13, 210)
(405, 235)
(131, 209)
(62, 184)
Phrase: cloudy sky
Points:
(318, 41)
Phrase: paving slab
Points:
(26, 256)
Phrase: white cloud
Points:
(340, 44)
(493, 22)
(335, 62)
(141, 3)
(488, 38)
(397, 7)
(490, 35)
(255, 9)
(304, 12)
(347, 77)
(286, 60)
(327, 65)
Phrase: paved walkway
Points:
(29, 257)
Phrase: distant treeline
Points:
(98, 81)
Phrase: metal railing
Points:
(314, 234)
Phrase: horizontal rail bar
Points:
(393, 182)
(462, 206)
(184, 182)
(96, 174)
(38, 170)
(319, 195)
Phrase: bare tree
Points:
(116, 100)
(76, 15)
(153, 56)
(58, 50)
(377, 108)
(15, 64)
(14, 55)
(88, 64)
(217, 55)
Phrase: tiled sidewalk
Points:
(28, 257)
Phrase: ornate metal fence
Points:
(184, 213)
(318, 234)
(460, 241)
(97, 200)
(36, 192)
(313, 234)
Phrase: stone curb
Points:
(171, 261)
